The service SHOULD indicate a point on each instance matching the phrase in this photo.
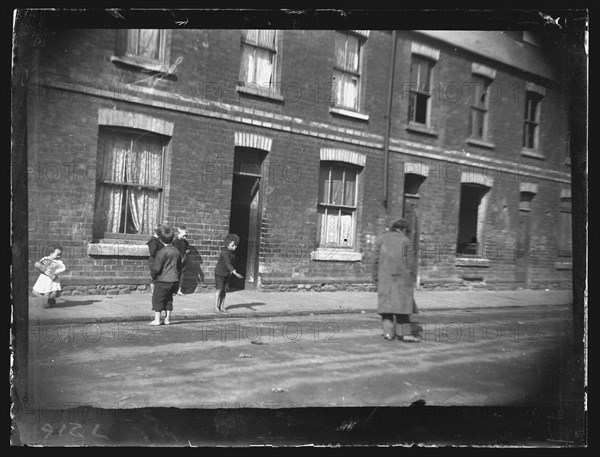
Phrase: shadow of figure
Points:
(192, 274)
(249, 306)
(62, 303)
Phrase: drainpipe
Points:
(386, 140)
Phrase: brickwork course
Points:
(85, 85)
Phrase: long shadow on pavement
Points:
(249, 306)
(68, 304)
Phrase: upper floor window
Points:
(419, 90)
(532, 120)
(259, 57)
(346, 71)
(129, 182)
(479, 107)
(148, 48)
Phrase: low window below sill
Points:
(156, 68)
(420, 128)
(479, 262)
(531, 153)
(336, 255)
(262, 92)
(348, 113)
(120, 248)
(480, 143)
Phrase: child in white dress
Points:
(48, 283)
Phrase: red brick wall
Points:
(63, 135)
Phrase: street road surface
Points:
(472, 357)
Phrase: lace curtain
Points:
(128, 160)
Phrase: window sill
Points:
(336, 255)
(563, 265)
(418, 128)
(119, 248)
(531, 153)
(259, 92)
(156, 68)
(480, 143)
(479, 262)
(348, 113)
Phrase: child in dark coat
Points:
(154, 245)
(225, 267)
(165, 273)
(181, 243)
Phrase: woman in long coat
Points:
(394, 274)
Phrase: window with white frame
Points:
(532, 120)
(479, 108)
(419, 90)
(259, 57)
(147, 47)
(346, 70)
(129, 182)
(337, 204)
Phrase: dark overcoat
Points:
(393, 270)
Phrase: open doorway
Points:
(410, 212)
(471, 218)
(245, 216)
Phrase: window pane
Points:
(266, 38)
(346, 228)
(529, 136)
(349, 192)
(264, 67)
(337, 186)
(419, 75)
(247, 67)
(332, 220)
(144, 161)
(142, 211)
(531, 104)
(251, 36)
(107, 214)
(148, 44)
(483, 97)
(113, 158)
(340, 50)
(324, 184)
(421, 109)
(337, 88)
(424, 76)
(477, 122)
(352, 53)
(350, 91)
(412, 102)
(321, 230)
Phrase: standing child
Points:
(48, 283)
(182, 244)
(154, 245)
(225, 268)
(165, 273)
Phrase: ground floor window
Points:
(129, 182)
(337, 204)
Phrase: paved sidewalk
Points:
(137, 307)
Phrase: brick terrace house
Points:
(306, 143)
